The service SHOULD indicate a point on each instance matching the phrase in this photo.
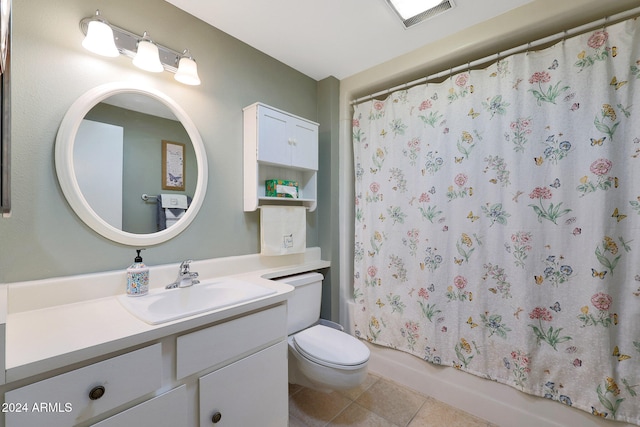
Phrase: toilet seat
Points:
(331, 347)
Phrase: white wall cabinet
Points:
(284, 139)
(278, 145)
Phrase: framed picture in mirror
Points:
(173, 165)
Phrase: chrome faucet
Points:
(185, 278)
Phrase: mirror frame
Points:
(65, 141)
(5, 109)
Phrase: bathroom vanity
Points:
(76, 357)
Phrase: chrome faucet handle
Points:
(194, 278)
(186, 277)
(184, 266)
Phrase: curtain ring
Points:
(564, 37)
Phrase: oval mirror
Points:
(119, 148)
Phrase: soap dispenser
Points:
(137, 277)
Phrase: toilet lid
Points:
(329, 346)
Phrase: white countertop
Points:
(41, 338)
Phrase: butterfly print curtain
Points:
(497, 222)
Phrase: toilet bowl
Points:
(325, 358)
(321, 355)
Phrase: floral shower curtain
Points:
(497, 219)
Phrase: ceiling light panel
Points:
(412, 12)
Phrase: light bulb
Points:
(147, 57)
(187, 72)
(99, 38)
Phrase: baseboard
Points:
(492, 401)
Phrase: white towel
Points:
(174, 201)
(283, 230)
(171, 218)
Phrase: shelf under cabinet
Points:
(255, 190)
(310, 204)
(285, 199)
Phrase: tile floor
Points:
(378, 402)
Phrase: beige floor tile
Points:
(392, 402)
(436, 414)
(315, 408)
(295, 422)
(355, 392)
(294, 388)
(357, 416)
(376, 403)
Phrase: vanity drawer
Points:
(168, 409)
(68, 399)
(229, 340)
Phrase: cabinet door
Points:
(304, 142)
(250, 392)
(273, 137)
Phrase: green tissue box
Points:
(281, 188)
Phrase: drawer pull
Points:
(217, 416)
(97, 392)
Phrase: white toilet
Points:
(321, 355)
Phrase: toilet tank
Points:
(303, 308)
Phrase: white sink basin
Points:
(165, 305)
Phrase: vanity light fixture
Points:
(141, 49)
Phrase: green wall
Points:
(43, 237)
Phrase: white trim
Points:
(66, 175)
(489, 400)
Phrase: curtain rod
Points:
(496, 56)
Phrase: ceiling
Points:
(338, 38)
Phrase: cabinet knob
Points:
(217, 416)
(97, 392)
